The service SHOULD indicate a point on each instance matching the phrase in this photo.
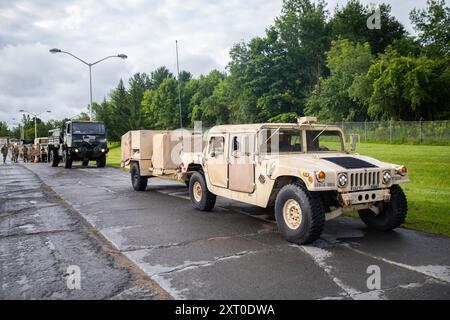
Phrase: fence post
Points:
(390, 131)
(420, 128)
(365, 131)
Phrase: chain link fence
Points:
(415, 132)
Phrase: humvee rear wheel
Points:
(391, 215)
(202, 199)
(300, 214)
(139, 183)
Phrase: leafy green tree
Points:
(350, 22)
(331, 98)
(4, 131)
(406, 88)
(158, 76)
(433, 25)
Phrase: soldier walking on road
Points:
(25, 153)
(4, 153)
(16, 152)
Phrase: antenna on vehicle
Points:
(179, 85)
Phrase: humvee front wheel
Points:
(300, 214)
(202, 199)
(139, 183)
(85, 163)
(391, 215)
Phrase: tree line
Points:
(309, 62)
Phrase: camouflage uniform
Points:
(25, 153)
(4, 152)
(16, 152)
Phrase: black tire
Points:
(67, 160)
(392, 214)
(54, 159)
(205, 201)
(187, 182)
(312, 214)
(101, 163)
(139, 183)
(85, 163)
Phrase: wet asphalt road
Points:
(234, 252)
(41, 237)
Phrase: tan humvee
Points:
(302, 170)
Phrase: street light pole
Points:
(121, 56)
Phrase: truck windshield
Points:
(88, 128)
(324, 141)
(279, 140)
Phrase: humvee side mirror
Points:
(353, 142)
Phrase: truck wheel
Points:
(101, 163)
(139, 183)
(85, 163)
(300, 214)
(67, 161)
(202, 199)
(54, 158)
(391, 215)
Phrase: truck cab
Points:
(78, 141)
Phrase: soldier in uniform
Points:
(25, 153)
(16, 152)
(4, 153)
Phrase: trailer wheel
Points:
(299, 214)
(391, 215)
(202, 199)
(101, 163)
(67, 160)
(139, 183)
(54, 158)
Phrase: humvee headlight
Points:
(321, 176)
(76, 150)
(103, 150)
(342, 180)
(387, 177)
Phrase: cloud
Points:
(145, 30)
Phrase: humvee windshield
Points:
(324, 141)
(279, 140)
(88, 128)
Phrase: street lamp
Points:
(35, 115)
(121, 56)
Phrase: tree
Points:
(406, 88)
(4, 131)
(158, 76)
(331, 99)
(350, 22)
(433, 25)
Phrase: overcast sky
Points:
(33, 79)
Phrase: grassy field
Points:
(428, 193)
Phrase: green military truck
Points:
(78, 141)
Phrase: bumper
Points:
(363, 197)
(87, 154)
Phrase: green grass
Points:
(428, 192)
(114, 155)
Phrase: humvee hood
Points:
(331, 161)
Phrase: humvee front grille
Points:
(365, 180)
